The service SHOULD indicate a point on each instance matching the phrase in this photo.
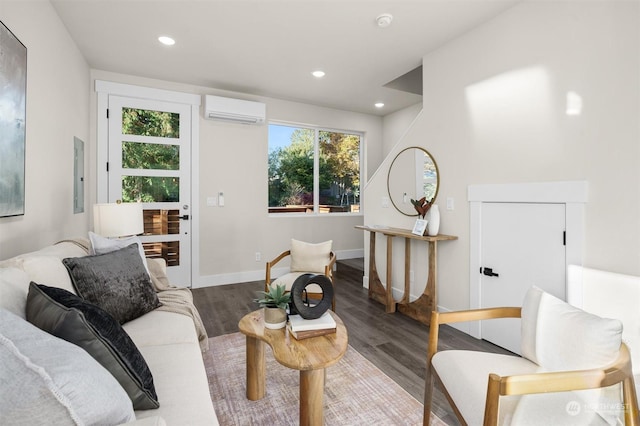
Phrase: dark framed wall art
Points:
(13, 111)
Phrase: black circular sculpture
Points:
(298, 288)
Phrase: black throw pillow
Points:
(116, 281)
(65, 315)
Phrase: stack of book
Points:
(301, 328)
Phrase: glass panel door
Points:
(149, 151)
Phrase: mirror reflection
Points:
(413, 174)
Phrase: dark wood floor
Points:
(393, 342)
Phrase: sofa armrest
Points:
(148, 421)
(160, 262)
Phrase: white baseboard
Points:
(349, 254)
(230, 278)
(258, 275)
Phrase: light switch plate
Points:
(450, 203)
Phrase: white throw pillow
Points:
(307, 257)
(48, 270)
(46, 380)
(102, 245)
(560, 337)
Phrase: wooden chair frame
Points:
(558, 381)
(328, 271)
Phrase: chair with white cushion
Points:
(611, 295)
(574, 369)
(305, 258)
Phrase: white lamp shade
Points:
(118, 220)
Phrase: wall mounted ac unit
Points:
(235, 110)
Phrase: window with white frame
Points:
(313, 170)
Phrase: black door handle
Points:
(489, 272)
(184, 217)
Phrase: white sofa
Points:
(168, 341)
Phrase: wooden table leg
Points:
(421, 308)
(256, 384)
(390, 303)
(377, 291)
(311, 397)
(407, 271)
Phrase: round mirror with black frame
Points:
(413, 174)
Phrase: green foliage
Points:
(136, 155)
(342, 153)
(291, 169)
(296, 163)
(276, 297)
(144, 122)
(149, 189)
(154, 156)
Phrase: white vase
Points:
(433, 226)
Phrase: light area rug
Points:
(356, 391)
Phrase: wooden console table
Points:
(421, 308)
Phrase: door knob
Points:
(489, 272)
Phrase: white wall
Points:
(494, 112)
(233, 159)
(395, 125)
(57, 110)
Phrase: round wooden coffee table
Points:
(310, 356)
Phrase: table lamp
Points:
(115, 220)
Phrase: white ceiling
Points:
(270, 47)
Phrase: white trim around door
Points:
(574, 194)
(106, 88)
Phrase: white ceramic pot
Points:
(274, 318)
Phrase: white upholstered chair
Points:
(611, 295)
(305, 258)
(574, 369)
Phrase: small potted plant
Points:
(275, 303)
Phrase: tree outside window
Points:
(150, 156)
(301, 183)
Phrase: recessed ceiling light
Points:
(167, 41)
(379, 104)
(318, 74)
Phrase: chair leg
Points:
(630, 399)
(492, 401)
(428, 397)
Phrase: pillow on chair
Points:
(558, 337)
(306, 257)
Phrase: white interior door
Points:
(522, 245)
(149, 161)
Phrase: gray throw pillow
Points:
(47, 381)
(116, 281)
(65, 315)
